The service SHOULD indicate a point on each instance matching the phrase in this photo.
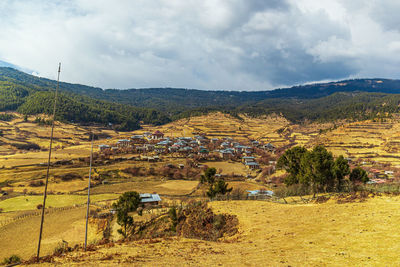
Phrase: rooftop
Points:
(146, 197)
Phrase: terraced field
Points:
(222, 125)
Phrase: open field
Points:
(329, 234)
(30, 202)
(270, 233)
(174, 187)
(21, 237)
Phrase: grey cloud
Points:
(205, 44)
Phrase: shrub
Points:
(69, 176)
(28, 146)
(12, 259)
(134, 171)
(36, 183)
(61, 248)
(199, 221)
(173, 217)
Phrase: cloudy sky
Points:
(204, 44)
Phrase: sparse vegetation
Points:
(217, 186)
(128, 202)
(13, 259)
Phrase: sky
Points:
(202, 44)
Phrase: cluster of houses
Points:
(225, 148)
(379, 176)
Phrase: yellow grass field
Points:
(174, 187)
(271, 234)
(329, 234)
(21, 237)
(374, 140)
(30, 202)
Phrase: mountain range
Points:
(349, 99)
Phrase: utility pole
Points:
(48, 163)
(88, 196)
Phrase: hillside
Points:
(351, 99)
(266, 229)
(329, 234)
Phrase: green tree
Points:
(173, 217)
(208, 176)
(217, 186)
(316, 169)
(290, 161)
(358, 175)
(341, 169)
(128, 202)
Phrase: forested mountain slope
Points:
(350, 99)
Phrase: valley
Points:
(371, 144)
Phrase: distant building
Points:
(259, 194)
(248, 159)
(150, 199)
(157, 135)
(269, 147)
(137, 139)
(226, 154)
(252, 165)
(104, 147)
(123, 143)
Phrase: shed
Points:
(150, 199)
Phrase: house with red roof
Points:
(157, 135)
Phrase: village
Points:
(258, 157)
(152, 146)
(164, 165)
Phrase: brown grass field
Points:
(329, 234)
(271, 234)
(20, 237)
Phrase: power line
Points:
(48, 163)
(88, 197)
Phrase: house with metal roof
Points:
(252, 165)
(150, 199)
(259, 193)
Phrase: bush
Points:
(134, 171)
(61, 248)
(199, 221)
(69, 176)
(36, 183)
(12, 259)
(174, 218)
(28, 146)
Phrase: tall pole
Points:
(48, 162)
(88, 196)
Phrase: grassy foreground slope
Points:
(329, 234)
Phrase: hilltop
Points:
(358, 99)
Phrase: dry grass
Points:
(329, 234)
(222, 125)
(21, 237)
(174, 187)
(30, 202)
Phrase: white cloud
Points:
(206, 44)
